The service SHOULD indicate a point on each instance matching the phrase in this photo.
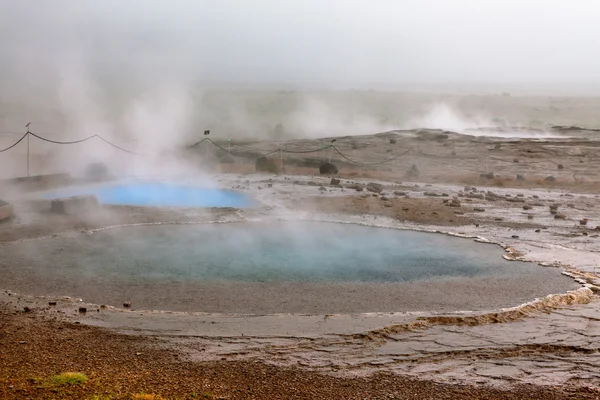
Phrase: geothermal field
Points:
(425, 260)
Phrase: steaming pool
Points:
(158, 194)
(275, 267)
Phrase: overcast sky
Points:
(346, 42)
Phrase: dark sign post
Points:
(206, 133)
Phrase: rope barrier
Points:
(14, 144)
(369, 164)
(268, 152)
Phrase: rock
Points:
(560, 166)
(516, 160)
(431, 194)
(489, 175)
(328, 169)
(550, 179)
(374, 187)
(553, 207)
(322, 189)
(358, 187)
(26, 309)
(583, 221)
(51, 303)
(127, 304)
(334, 182)
(515, 236)
(535, 196)
(82, 310)
(312, 183)
(269, 185)
(74, 205)
(97, 171)
(530, 216)
(392, 141)
(527, 207)
(479, 209)
(399, 193)
(538, 230)
(560, 216)
(384, 198)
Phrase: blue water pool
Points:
(158, 194)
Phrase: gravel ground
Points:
(34, 348)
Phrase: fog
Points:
(152, 75)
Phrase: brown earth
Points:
(35, 348)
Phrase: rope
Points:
(81, 141)
(16, 143)
(368, 164)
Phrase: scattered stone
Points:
(312, 183)
(127, 304)
(515, 236)
(571, 205)
(82, 310)
(583, 221)
(334, 182)
(550, 179)
(392, 141)
(489, 175)
(269, 185)
(51, 303)
(22, 342)
(399, 193)
(516, 160)
(384, 198)
(520, 195)
(498, 219)
(535, 196)
(538, 230)
(479, 209)
(530, 216)
(26, 309)
(431, 194)
(527, 207)
(560, 166)
(560, 216)
(322, 189)
(553, 207)
(520, 178)
(374, 187)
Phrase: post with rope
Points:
(206, 133)
(28, 134)
(281, 158)
(331, 150)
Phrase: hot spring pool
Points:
(158, 194)
(277, 267)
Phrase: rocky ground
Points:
(545, 349)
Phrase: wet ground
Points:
(551, 340)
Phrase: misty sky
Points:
(346, 42)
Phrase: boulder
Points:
(96, 171)
(334, 182)
(74, 205)
(374, 187)
(6, 210)
(328, 169)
